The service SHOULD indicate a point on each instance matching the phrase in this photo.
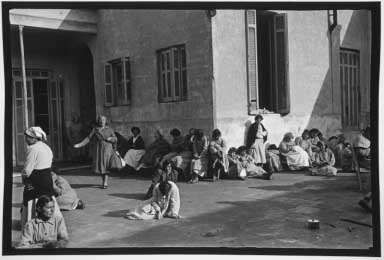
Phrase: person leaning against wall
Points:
(255, 142)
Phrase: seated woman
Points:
(295, 157)
(218, 157)
(66, 197)
(324, 162)
(154, 152)
(181, 152)
(338, 150)
(304, 142)
(165, 202)
(247, 162)
(136, 149)
(362, 146)
(199, 163)
(273, 158)
(234, 169)
(166, 173)
(47, 230)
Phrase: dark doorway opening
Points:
(41, 103)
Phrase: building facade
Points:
(161, 69)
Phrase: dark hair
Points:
(135, 128)
(175, 132)
(43, 199)
(241, 149)
(287, 137)
(165, 164)
(216, 133)
(314, 131)
(259, 116)
(319, 134)
(199, 133)
(232, 150)
(320, 144)
(272, 147)
(163, 186)
(332, 137)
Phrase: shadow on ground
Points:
(278, 221)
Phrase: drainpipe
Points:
(25, 95)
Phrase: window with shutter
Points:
(172, 74)
(252, 60)
(117, 82)
(350, 87)
(282, 96)
(108, 85)
(267, 62)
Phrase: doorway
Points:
(45, 109)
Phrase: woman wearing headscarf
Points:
(36, 174)
(103, 138)
(295, 156)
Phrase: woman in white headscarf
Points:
(36, 174)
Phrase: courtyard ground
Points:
(228, 213)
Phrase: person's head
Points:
(135, 131)
(101, 120)
(258, 118)
(216, 134)
(192, 131)
(175, 132)
(232, 151)
(158, 135)
(242, 150)
(167, 166)
(164, 187)
(199, 133)
(273, 147)
(305, 134)
(288, 137)
(313, 133)
(34, 134)
(320, 135)
(45, 207)
(341, 138)
(75, 117)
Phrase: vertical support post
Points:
(25, 95)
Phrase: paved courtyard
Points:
(228, 213)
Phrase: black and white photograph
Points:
(191, 128)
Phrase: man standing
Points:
(256, 137)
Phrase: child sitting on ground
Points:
(324, 162)
(46, 230)
(247, 163)
(235, 170)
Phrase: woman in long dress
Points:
(36, 174)
(103, 138)
(165, 202)
(199, 163)
(218, 156)
(295, 156)
(136, 149)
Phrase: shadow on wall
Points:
(323, 116)
(247, 124)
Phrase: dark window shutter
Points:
(281, 66)
(252, 60)
(127, 81)
(108, 94)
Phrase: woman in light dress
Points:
(295, 156)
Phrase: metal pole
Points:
(25, 95)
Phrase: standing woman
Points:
(36, 174)
(256, 137)
(103, 137)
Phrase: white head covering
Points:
(36, 132)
